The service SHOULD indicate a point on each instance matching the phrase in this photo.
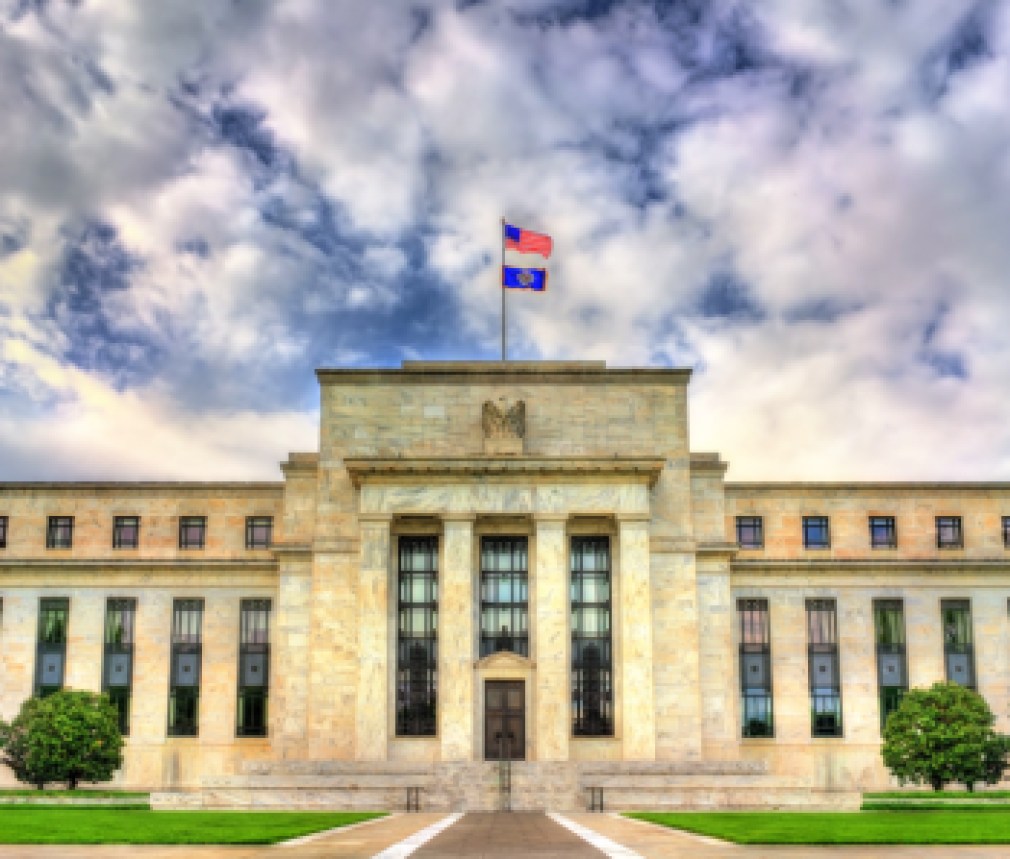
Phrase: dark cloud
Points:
(727, 297)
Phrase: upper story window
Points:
(815, 532)
(948, 532)
(125, 532)
(192, 532)
(1006, 532)
(750, 532)
(3, 531)
(883, 532)
(60, 532)
(258, 531)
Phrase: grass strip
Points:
(937, 826)
(76, 794)
(79, 825)
(939, 794)
(909, 805)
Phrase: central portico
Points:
(496, 546)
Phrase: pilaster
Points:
(638, 702)
(552, 719)
(456, 637)
(372, 720)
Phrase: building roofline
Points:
(468, 372)
(180, 485)
(869, 485)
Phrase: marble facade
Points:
(443, 449)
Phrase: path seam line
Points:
(418, 839)
(600, 842)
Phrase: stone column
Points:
(552, 719)
(638, 706)
(373, 659)
(456, 639)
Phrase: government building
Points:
(503, 584)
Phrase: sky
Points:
(807, 203)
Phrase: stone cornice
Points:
(868, 486)
(140, 485)
(15, 565)
(890, 565)
(497, 372)
(639, 467)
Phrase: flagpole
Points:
(504, 318)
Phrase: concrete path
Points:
(499, 835)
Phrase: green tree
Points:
(69, 736)
(944, 734)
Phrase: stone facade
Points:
(545, 453)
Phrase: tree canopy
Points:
(944, 734)
(70, 736)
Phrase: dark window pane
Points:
(192, 532)
(258, 532)
(883, 534)
(416, 645)
(504, 595)
(823, 669)
(815, 532)
(948, 532)
(125, 532)
(749, 532)
(60, 532)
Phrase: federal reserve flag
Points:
(527, 242)
(524, 278)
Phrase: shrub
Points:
(944, 734)
(69, 736)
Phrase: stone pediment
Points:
(504, 660)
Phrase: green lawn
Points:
(22, 824)
(936, 826)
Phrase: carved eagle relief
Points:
(501, 421)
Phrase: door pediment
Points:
(504, 660)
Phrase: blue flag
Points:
(534, 279)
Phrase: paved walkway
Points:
(500, 835)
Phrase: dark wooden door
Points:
(504, 720)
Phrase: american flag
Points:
(527, 242)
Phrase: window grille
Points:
(417, 637)
(125, 532)
(749, 532)
(60, 532)
(592, 644)
(883, 533)
(184, 682)
(51, 653)
(816, 534)
(253, 668)
(892, 665)
(117, 669)
(949, 534)
(823, 669)
(259, 532)
(755, 668)
(504, 591)
(958, 647)
(192, 532)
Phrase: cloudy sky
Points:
(806, 202)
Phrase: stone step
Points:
(350, 781)
(658, 781)
(713, 768)
(303, 767)
(737, 798)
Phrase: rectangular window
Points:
(892, 665)
(60, 532)
(958, 649)
(1006, 532)
(592, 645)
(192, 532)
(117, 671)
(749, 532)
(3, 531)
(258, 531)
(417, 637)
(822, 668)
(815, 532)
(125, 532)
(504, 595)
(186, 658)
(253, 668)
(883, 533)
(51, 656)
(755, 668)
(948, 532)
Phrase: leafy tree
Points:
(944, 734)
(69, 736)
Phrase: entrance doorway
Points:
(504, 720)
